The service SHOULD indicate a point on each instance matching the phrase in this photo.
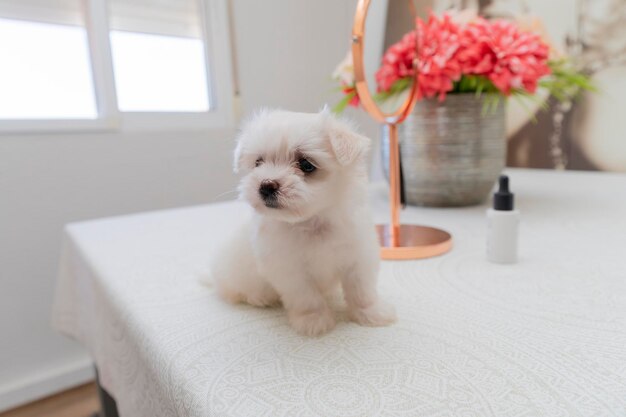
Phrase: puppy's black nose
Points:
(268, 188)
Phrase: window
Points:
(45, 70)
(158, 55)
(92, 64)
(159, 73)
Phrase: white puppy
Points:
(305, 176)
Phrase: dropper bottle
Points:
(502, 225)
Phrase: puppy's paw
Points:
(314, 323)
(229, 294)
(264, 297)
(378, 314)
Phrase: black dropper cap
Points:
(503, 198)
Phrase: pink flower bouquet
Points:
(478, 56)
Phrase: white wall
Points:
(49, 180)
(286, 50)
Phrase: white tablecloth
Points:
(544, 337)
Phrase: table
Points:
(544, 337)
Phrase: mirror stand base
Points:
(412, 242)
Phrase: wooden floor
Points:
(78, 402)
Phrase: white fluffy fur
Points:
(322, 235)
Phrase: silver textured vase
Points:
(451, 152)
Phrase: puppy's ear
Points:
(347, 145)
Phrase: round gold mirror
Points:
(398, 241)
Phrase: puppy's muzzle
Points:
(269, 192)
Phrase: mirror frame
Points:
(362, 88)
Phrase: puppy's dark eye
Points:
(258, 162)
(305, 166)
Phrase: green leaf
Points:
(396, 88)
(343, 103)
(566, 82)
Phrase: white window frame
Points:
(218, 59)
